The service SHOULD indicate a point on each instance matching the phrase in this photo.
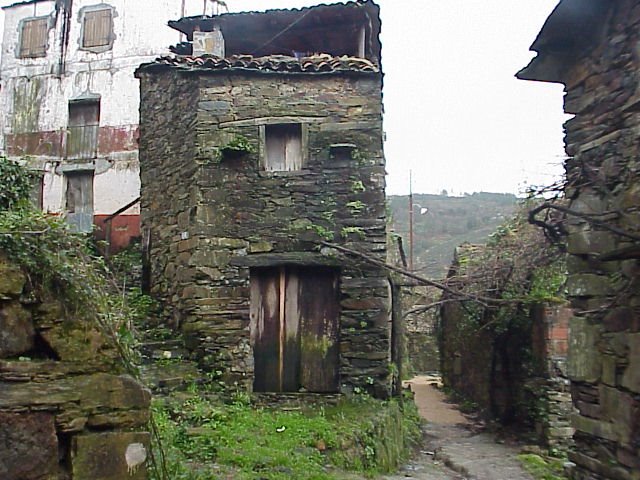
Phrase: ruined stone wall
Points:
(226, 214)
(518, 375)
(66, 410)
(603, 179)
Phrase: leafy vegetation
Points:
(543, 468)
(243, 441)
(492, 325)
(65, 265)
(16, 182)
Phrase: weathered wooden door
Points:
(79, 200)
(294, 329)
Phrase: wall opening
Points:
(295, 329)
(283, 147)
(79, 200)
(82, 131)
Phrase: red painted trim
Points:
(51, 143)
(124, 229)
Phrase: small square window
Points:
(33, 38)
(97, 28)
(283, 148)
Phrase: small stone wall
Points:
(66, 409)
(213, 214)
(550, 339)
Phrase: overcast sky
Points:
(455, 114)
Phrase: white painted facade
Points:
(68, 73)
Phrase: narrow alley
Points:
(454, 447)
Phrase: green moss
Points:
(346, 231)
(543, 468)
(313, 343)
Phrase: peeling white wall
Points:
(141, 35)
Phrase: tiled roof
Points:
(274, 63)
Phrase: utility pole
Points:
(410, 222)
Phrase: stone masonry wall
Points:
(227, 214)
(66, 410)
(603, 179)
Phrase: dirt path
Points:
(451, 449)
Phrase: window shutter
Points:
(33, 40)
(97, 28)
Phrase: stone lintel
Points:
(305, 259)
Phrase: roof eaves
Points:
(23, 2)
(566, 35)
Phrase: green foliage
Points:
(548, 282)
(16, 183)
(543, 468)
(250, 442)
(346, 231)
(357, 186)
(449, 222)
(238, 145)
(517, 268)
(356, 207)
(322, 232)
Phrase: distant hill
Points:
(447, 223)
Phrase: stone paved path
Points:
(451, 449)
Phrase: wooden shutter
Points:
(33, 38)
(294, 329)
(97, 28)
(283, 148)
(84, 122)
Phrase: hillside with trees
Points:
(441, 223)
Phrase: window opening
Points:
(33, 38)
(283, 147)
(79, 200)
(96, 28)
(84, 122)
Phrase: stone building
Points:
(592, 48)
(70, 100)
(250, 158)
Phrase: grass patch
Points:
(204, 438)
(543, 468)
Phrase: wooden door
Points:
(319, 333)
(79, 200)
(294, 329)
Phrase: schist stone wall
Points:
(66, 410)
(598, 61)
(603, 180)
(234, 243)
